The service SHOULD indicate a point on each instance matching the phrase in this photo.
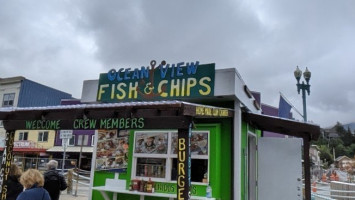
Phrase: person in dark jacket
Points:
(32, 180)
(53, 181)
(14, 187)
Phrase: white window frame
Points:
(68, 141)
(169, 156)
(21, 136)
(43, 134)
(80, 139)
(7, 95)
(93, 140)
(69, 144)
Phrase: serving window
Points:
(155, 155)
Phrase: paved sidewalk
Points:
(71, 197)
(82, 194)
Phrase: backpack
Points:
(53, 184)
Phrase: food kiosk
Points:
(166, 131)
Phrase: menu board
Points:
(112, 150)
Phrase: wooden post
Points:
(23, 162)
(184, 164)
(6, 162)
(70, 181)
(37, 161)
(77, 171)
(307, 173)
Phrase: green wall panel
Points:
(244, 160)
(99, 180)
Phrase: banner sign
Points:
(6, 163)
(87, 124)
(211, 112)
(25, 144)
(174, 122)
(184, 164)
(157, 82)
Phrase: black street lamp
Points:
(304, 87)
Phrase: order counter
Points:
(117, 186)
(103, 190)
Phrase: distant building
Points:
(343, 162)
(330, 133)
(32, 144)
(21, 92)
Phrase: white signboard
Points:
(66, 134)
(24, 144)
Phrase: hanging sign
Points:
(184, 164)
(66, 134)
(84, 124)
(6, 163)
(157, 82)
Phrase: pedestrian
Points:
(14, 187)
(53, 181)
(32, 180)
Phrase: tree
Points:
(340, 150)
(343, 146)
(325, 154)
(339, 128)
(333, 143)
(347, 137)
(352, 149)
(320, 141)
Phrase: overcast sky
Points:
(62, 43)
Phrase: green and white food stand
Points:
(183, 126)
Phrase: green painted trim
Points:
(214, 159)
(226, 160)
(244, 160)
(243, 175)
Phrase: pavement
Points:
(82, 193)
(65, 196)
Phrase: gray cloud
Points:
(40, 41)
(62, 43)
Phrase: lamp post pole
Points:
(305, 87)
(306, 140)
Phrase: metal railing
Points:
(76, 177)
(39, 163)
(320, 197)
(333, 190)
